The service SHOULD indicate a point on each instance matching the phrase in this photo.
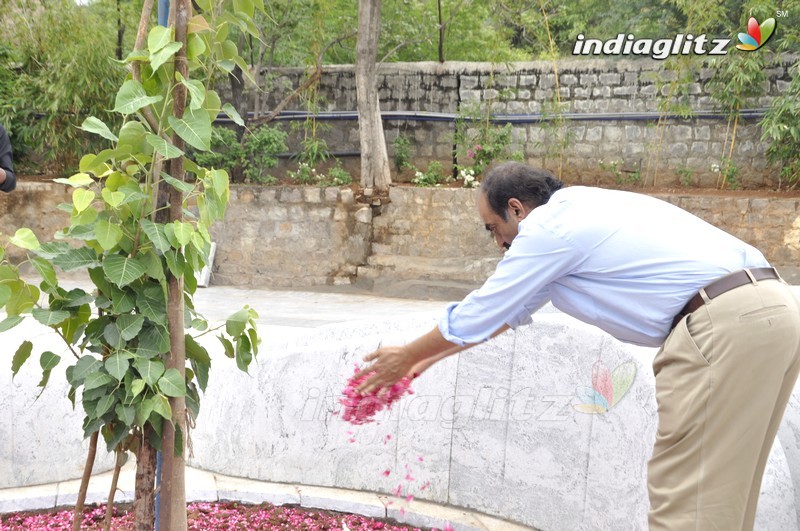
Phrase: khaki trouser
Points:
(723, 378)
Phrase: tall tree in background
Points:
(374, 158)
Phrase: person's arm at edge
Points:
(424, 365)
(8, 181)
(394, 363)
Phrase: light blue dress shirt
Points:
(622, 261)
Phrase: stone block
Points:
(581, 92)
(612, 133)
(594, 133)
(291, 195)
(312, 195)
(627, 90)
(610, 79)
(331, 194)
(568, 79)
(524, 94)
(347, 196)
(470, 95)
(648, 90)
(527, 80)
(547, 81)
(588, 80)
(633, 133)
(364, 215)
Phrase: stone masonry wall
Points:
(615, 89)
(291, 237)
(298, 237)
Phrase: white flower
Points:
(715, 168)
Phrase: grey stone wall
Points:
(306, 236)
(291, 237)
(585, 87)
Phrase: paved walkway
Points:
(281, 314)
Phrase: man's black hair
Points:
(532, 186)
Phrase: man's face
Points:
(503, 231)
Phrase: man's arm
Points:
(393, 363)
(8, 181)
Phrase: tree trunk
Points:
(374, 158)
(77, 516)
(144, 506)
(120, 459)
(172, 507)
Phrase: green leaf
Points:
(96, 126)
(24, 238)
(204, 5)
(164, 148)
(45, 270)
(212, 104)
(112, 198)
(153, 304)
(45, 378)
(107, 234)
(155, 231)
(132, 136)
(143, 410)
(196, 89)
(158, 37)
(132, 97)
(195, 47)
(137, 386)
(194, 128)
(123, 300)
(5, 294)
(154, 268)
(161, 406)
(183, 232)
(236, 323)
(196, 352)
(172, 384)
(178, 185)
(243, 353)
(50, 250)
(76, 259)
(150, 370)
(129, 325)
(117, 365)
(21, 356)
(176, 263)
(10, 322)
(48, 317)
(96, 380)
(79, 179)
(227, 345)
(163, 55)
(121, 270)
(127, 414)
(153, 340)
(201, 372)
(48, 360)
(23, 297)
(233, 114)
(112, 336)
(104, 405)
(82, 198)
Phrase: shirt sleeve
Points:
(518, 287)
(6, 162)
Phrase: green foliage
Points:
(479, 141)
(686, 174)
(781, 128)
(402, 152)
(433, 176)
(306, 174)
(119, 372)
(255, 153)
(62, 73)
(730, 174)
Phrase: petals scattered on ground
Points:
(208, 517)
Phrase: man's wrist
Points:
(2, 176)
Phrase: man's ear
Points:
(517, 208)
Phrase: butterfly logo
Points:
(608, 387)
(757, 35)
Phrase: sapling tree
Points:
(139, 223)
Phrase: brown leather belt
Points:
(726, 283)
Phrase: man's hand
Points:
(390, 365)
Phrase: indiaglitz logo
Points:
(608, 387)
(757, 34)
(681, 44)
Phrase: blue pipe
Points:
(423, 116)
